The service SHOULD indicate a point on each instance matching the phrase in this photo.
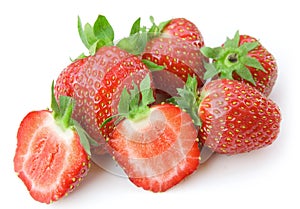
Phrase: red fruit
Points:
(49, 158)
(236, 117)
(158, 151)
(96, 82)
(184, 29)
(99, 86)
(243, 58)
(180, 59)
(264, 80)
(64, 85)
(156, 146)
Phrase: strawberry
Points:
(184, 29)
(176, 48)
(243, 58)
(64, 85)
(156, 146)
(234, 117)
(52, 154)
(96, 81)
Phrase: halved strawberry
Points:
(243, 58)
(50, 158)
(156, 146)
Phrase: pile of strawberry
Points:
(152, 101)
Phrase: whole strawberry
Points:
(243, 58)
(52, 154)
(234, 117)
(175, 46)
(184, 29)
(64, 85)
(96, 81)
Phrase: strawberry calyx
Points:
(102, 34)
(189, 99)
(62, 114)
(134, 105)
(137, 39)
(139, 36)
(96, 36)
(231, 57)
(157, 29)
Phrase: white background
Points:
(38, 37)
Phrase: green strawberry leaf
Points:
(103, 30)
(248, 46)
(84, 138)
(146, 91)
(134, 44)
(123, 107)
(82, 33)
(89, 34)
(252, 62)
(153, 66)
(245, 74)
(62, 114)
(134, 98)
(157, 29)
(96, 36)
(211, 52)
(231, 57)
(233, 43)
(54, 105)
(134, 104)
(211, 71)
(136, 27)
(188, 99)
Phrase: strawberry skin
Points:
(96, 84)
(159, 151)
(236, 117)
(242, 58)
(264, 80)
(184, 29)
(50, 161)
(99, 85)
(64, 85)
(180, 59)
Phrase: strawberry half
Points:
(50, 158)
(233, 116)
(156, 146)
(243, 58)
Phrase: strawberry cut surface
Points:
(159, 151)
(50, 161)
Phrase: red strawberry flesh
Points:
(49, 161)
(159, 151)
